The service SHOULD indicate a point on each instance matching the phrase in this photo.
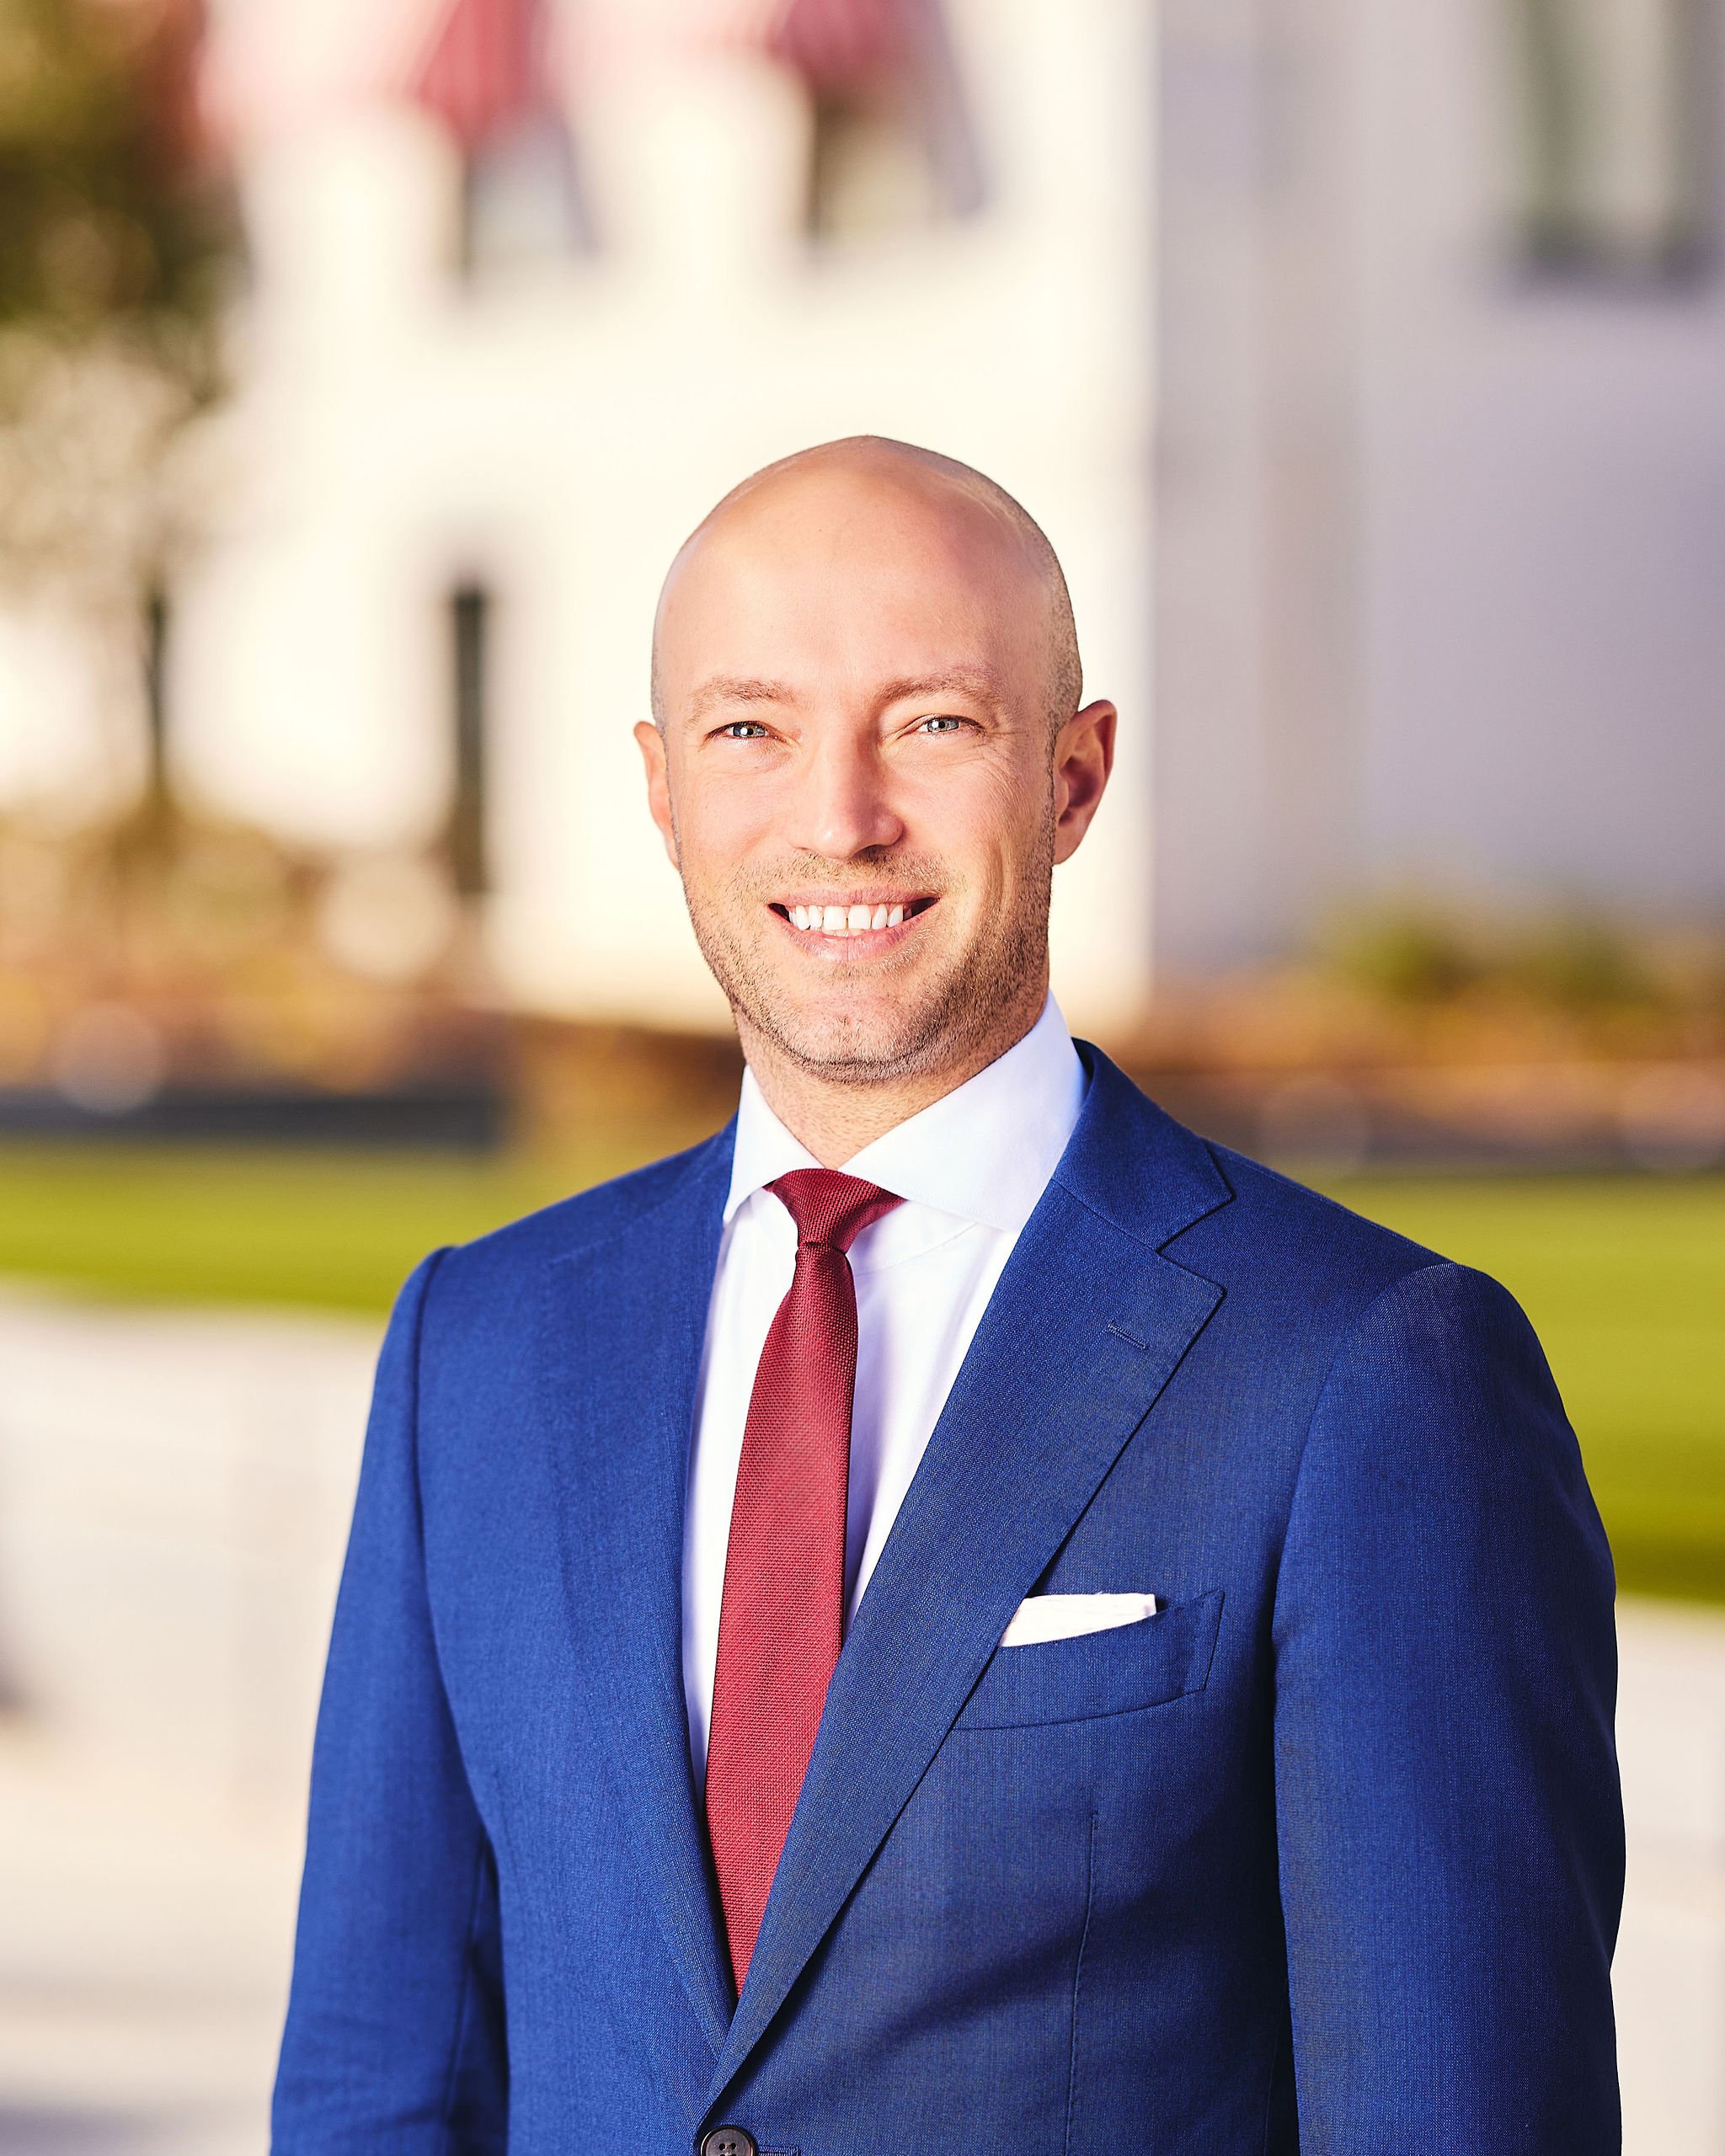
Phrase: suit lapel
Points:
(624, 1325)
(1085, 1329)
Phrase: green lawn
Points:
(327, 1230)
(1624, 1277)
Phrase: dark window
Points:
(156, 631)
(869, 169)
(1614, 106)
(470, 612)
(521, 200)
(891, 146)
(487, 74)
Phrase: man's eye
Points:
(743, 729)
(940, 723)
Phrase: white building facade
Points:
(446, 494)
(1362, 363)
(1440, 491)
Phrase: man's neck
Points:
(835, 1118)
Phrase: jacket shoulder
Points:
(1295, 1245)
(1208, 1208)
(1286, 1258)
(1274, 1206)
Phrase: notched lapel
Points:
(623, 1327)
(1086, 1328)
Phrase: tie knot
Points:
(829, 1207)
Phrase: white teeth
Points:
(844, 921)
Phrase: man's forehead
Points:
(858, 563)
(920, 599)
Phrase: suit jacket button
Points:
(730, 2141)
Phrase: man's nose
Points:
(842, 807)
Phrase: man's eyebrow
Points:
(951, 681)
(975, 681)
(736, 689)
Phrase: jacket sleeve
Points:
(394, 2042)
(1450, 1836)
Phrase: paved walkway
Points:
(174, 1492)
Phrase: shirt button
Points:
(730, 2141)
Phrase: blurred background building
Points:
(362, 363)
(1361, 363)
(1440, 487)
(528, 289)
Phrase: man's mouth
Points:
(861, 916)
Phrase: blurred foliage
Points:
(119, 247)
(1585, 963)
(1594, 971)
(177, 946)
(1411, 982)
(1411, 951)
(108, 212)
(1406, 952)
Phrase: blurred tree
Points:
(1629, 985)
(119, 241)
(105, 211)
(1580, 962)
(1404, 951)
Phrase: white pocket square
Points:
(1043, 1617)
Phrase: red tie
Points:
(783, 1615)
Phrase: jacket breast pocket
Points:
(1109, 1672)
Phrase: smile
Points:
(860, 917)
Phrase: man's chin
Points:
(856, 1039)
(879, 1023)
(852, 1052)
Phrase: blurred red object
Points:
(844, 45)
(484, 71)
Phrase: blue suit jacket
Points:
(1326, 1856)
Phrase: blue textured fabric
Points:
(1326, 1856)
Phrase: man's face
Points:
(857, 774)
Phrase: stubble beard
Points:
(986, 996)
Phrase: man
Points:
(955, 1617)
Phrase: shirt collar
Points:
(983, 1152)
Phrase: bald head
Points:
(868, 492)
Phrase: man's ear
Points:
(653, 755)
(1084, 756)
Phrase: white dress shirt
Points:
(970, 1170)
